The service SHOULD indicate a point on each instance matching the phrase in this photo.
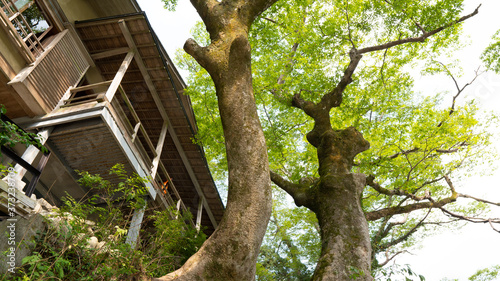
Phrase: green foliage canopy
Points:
(417, 140)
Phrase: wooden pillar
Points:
(159, 148)
(135, 226)
(117, 80)
(200, 213)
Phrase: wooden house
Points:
(92, 79)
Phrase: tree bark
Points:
(231, 252)
(345, 239)
(336, 201)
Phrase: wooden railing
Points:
(136, 127)
(137, 135)
(43, 84)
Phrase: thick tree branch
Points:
(334, 98)
(450, 184)
(308, 107)
(204, 8)
(331, 99)
(454, 148)
(391, 211)
(420, 38)
(199, 53)
(299, 192)
(250, 10)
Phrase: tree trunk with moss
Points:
(336, 199)
(231, 252)
(345, 248)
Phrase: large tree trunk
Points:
(231, 252)
(335, 198)
(345, 239)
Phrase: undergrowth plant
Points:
(86, 238)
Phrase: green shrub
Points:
(86, 239)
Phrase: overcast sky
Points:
(453, 254)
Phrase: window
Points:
(30, 22)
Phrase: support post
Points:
(200, 213)
(159, 148)
(135, 226)
(179, 205)
(117, 80)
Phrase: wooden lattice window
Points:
(28, 24)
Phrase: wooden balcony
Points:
(41, 85)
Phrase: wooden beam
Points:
(136, 70)
(135, 226)
(110, 53)
(159, 148)
(30, 155)
(91, 86)
(136, 130)
(199, 214)
(23, 204)
(179, 204)
(143, 69)
(110, 93)
(72, 116)
(131, 153)
(105, 21)
(163, 113)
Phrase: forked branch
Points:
(299, 192)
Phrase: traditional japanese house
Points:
(92, 79)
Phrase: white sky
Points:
(452, 254)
